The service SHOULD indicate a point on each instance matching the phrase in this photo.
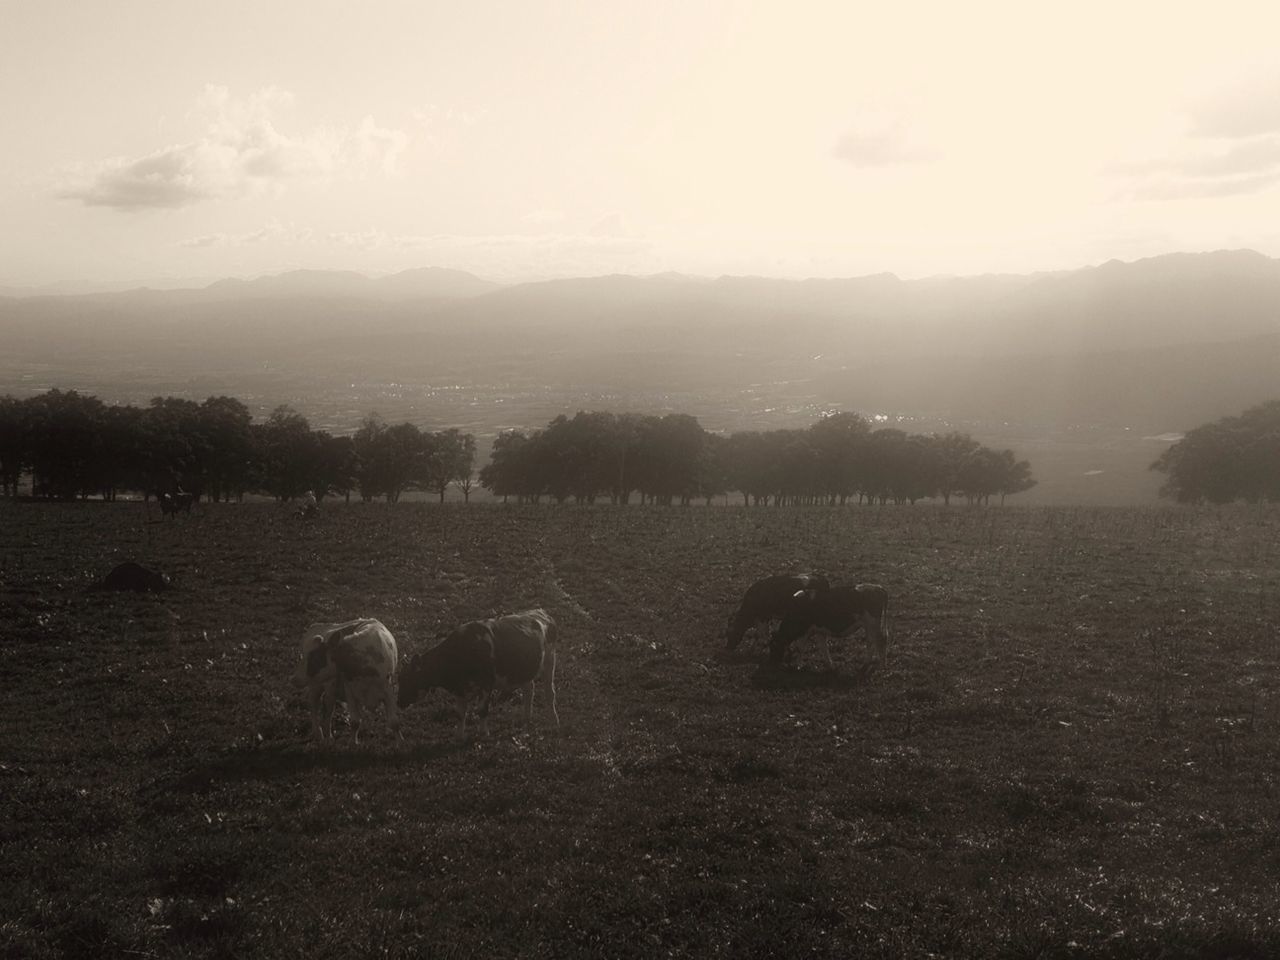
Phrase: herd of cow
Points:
(358, 661)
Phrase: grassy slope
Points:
(1072, 750)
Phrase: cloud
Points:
(610, 225)
(1240, 167)
(1244, 157)
(271, 229)
(880, 141)
(1204, 188)
(543, 218)
(364, 239)
(242, 152)
(208, 240)
(1249, 108)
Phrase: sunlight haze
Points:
(179, 143)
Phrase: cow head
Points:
(448, 663)
(412, 680)
(315, 658)
(418, 674)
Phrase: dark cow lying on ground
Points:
(133, 576)
(770, 599)
(482, 657)
(353, 662)
(171, 504)
(838, 611)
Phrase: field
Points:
(1071, 752)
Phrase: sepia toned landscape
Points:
(579, 479)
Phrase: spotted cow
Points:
(354, 662)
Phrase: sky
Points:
(173, 142)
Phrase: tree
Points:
(509, 471)
(64, 439)
(668, 456)
(953, 452)
(839, 443)
(752, 463)
(1229, 459)
(288, 453)
(332, 465)
(225, 424)
(13, 444)
(451, 457)
(1016, 475)
(990, 471)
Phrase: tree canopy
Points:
(1235, 458)
(74, 445)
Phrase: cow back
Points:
(520, 644)
(357, 648)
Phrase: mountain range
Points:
(1156, 345)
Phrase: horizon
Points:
(195, 284)
(595, 139)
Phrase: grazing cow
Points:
(355, 662)
(838, 611)
(171, 504)
(770, 599)
(484, 656)
(133, 576)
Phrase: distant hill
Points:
(1157, 345)
(427, 283)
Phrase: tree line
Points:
(1235, 458)
(74, 445)
(663, 460)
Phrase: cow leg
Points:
(462, 700)
(550, 671)
(355, 712)
(826, 649)
(875, 633)
(389, 704)
(327, 706)
(788, 630)
(526, 691)
(314, 701)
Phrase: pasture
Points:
(1072, 750)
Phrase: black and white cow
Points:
(836, 611)
(770, 599)
(355, 662)
(483, 657)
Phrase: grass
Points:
(1071, 751)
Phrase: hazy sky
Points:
(150, 141)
